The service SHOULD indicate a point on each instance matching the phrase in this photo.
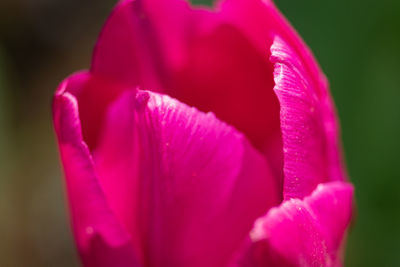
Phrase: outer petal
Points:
(308, 123)
(305, 232)
(100, 238)
(195, 183)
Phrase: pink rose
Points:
(202, 138)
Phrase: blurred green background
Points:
(357, 43)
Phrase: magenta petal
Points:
(305, 232)
(308, 124)
(100, 238)
(181, 179)
(126, 50)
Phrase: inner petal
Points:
(224, 73)
(228, 76)
(181, 181)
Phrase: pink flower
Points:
(202, 138)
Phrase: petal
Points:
(126, 51)
(252, 17)
(305, 232)
(100, 238)
(308, 124)
(225, 74)
(180, 179)
(94, 94)
(174, 23)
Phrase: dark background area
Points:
(357, 43)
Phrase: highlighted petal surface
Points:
(180, 180)
(305, 232)
(308, 124)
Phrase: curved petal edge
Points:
(100, 238)
(311, 148)
(308, 232)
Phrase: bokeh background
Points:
(357, 43)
